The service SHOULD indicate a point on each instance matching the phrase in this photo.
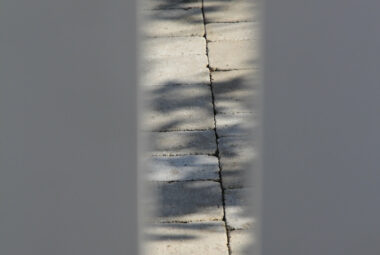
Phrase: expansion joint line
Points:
(216, 134)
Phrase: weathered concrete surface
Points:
(188, 201)
(236, 147)
(240, 242)
(176, 70)
(174, 46)
(232, 31)
(234, 174)
(203, 238)
(238, 124)
(230, 10)
(183, 143)
(165, 4)
(179, 107)
(185, 171)
(236, 208)
(237, 157)
(234, 91)
(183, 168)
(230, 55)
(174, 22)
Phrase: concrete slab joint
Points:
(200, 67)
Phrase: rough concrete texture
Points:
(179, 107)
(171, 4)
(183, 143)
(238, 124)
(236, 208)
(176, 70)
(239, 147)
(174, 46)
(237, 159)
(232, 31)
(241, 242)
(230, 10)
(235, 174)
(230, 55)
(203, 238)
(188, 201)
(174, 22)
(234, 91)
(183, 168)
(183, 113)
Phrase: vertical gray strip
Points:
(68, 136)
(321, 179)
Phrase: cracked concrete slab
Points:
(172, 22)
(237, 158)
(174, 46)
(232, 31)
(235, 91)
(208, 238)
(175, 70)
(230, 10)
(236, 208)
(236, 147)
(230, 55)
(235, 174)
(188, 201)
(170, 4)
(183, 168)
(241, 242)
(238, 124)
(183, 143)
(179, 107)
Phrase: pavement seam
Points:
(229, 70)
(187, 181)
(169, 36)
(216, 69)
(188, 221)
(179, 130)
(216, 134)
(230, 22)
(184, 154)
(170, 8)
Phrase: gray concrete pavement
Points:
(187, 239)
(184, 168)
(199, 76)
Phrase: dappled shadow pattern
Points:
(195, 203)
(175, 107)
(200, 199)
(161, 8)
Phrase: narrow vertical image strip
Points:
(197, 80)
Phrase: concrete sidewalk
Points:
(199, 78)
